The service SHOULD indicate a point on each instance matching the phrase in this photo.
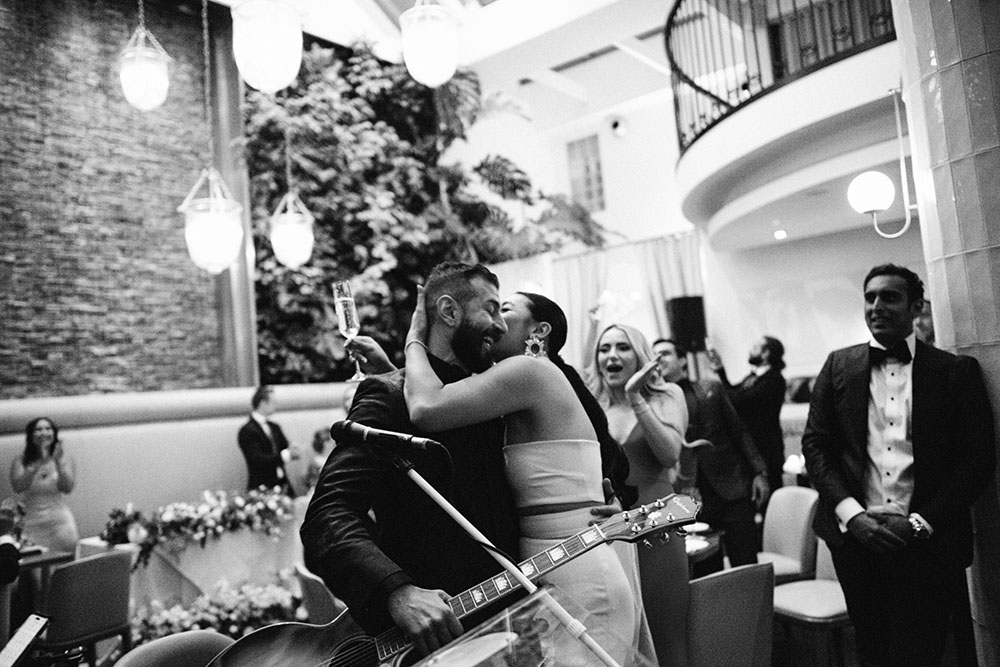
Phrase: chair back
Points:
(788, 525)
(824, 562)
(87, 599)
(319, 602)
(193, 648)
(730, 617)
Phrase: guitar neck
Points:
(393, 641)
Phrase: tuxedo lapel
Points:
(856, 395)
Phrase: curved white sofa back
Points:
(155, 448)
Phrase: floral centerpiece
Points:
(260, 509)
(231, 611)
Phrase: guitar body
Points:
(342, 643)
(339, 643)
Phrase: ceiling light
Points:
(143, 68)
(267, 43)
(430, 43)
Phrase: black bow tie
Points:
(899, 352)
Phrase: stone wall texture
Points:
(97, 293)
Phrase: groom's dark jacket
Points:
(413, 541)
(951, 430)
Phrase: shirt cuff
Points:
(930, 531)
(847, 509)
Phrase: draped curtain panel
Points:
(671, 267)
(578, 282)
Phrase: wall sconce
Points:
(430, 43)
(143, 68)
(872, 192)
(267, 43)
(213, 227)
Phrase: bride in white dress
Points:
(552, 454)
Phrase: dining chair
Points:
(86, 601)
(193, 648)
(789, 542)
(321, 605)
(730, 617)
(817, 606)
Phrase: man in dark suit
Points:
(758, 399)
(263, 444)
(402, 573)
(899, 444)
(731, 476)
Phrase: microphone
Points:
(354, 432)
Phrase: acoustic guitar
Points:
(342, 643)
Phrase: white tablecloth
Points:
(177, 574)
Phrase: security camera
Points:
(618, 126)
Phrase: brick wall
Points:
(97, 293)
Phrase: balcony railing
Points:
(726, 53)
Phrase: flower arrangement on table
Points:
(260, 509)
(231, 611)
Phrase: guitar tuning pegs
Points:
(647, 544)
(664, 537)
(635, 528)
(644, 510)
(670, 516)
(660, 504)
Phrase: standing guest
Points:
(731, 476)
(264, 445)
(10, 555)
(44, 474)
(899, 444)
(552, 452)
(648, 417)
(403, 573)
(758, 399)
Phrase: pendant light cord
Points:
(142, 16)
(208, 81)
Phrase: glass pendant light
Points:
(213, 227)
(430, 43)
(291, 224)
(267, 43)
(143, 68)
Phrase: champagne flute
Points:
(347, 319)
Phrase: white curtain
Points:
(671, 267)
(577, 285)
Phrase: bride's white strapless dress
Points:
(547, 474)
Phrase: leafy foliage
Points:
(364, 154)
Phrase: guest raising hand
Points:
(43, 475)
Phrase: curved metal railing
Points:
(726, 53)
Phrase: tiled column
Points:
(951, 85)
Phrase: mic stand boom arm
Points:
(573, 626)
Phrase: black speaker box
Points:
(686, 315)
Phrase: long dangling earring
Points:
(534, 346)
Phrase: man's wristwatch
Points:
(920, 531)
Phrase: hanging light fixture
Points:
(430, 42)
(267, 43)
(213, 227)
(872, 192)
(291, 224)
(143, 68)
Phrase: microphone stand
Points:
(573, 626)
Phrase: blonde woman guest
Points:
(648, 416)
(43, 475)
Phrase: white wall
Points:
(807, 294)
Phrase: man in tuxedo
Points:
(731, 476)
(403, 572)
(899, 444)
(758, 399)
(263, 444)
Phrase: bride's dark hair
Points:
(614, 465)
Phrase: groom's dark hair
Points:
(455, 279)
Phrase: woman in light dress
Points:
(553, 458)
(43, 475)
(648, 417)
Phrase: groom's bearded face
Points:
(479, 329)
